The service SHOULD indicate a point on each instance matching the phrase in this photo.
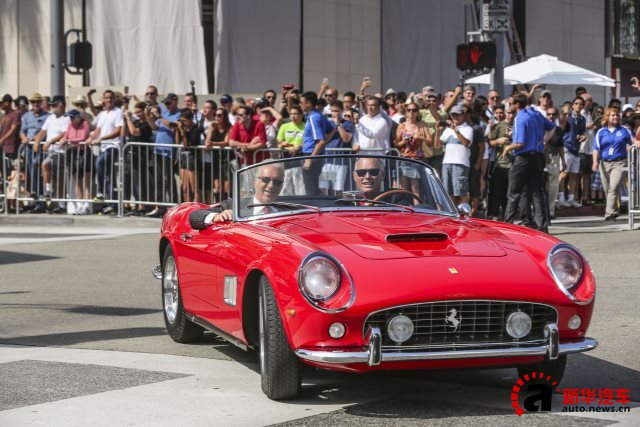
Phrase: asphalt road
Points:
(69, 287)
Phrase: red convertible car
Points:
(361, 263)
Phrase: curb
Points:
(78, 221)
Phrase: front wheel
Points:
(180, 328)
(279, 367)
(554, 368)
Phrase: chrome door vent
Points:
(230, 289)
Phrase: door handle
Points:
(185, 237)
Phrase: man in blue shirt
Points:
(528, 165)
(164, 123)
(334, 171)
(572, 140)
(32, 122)
(317, 132)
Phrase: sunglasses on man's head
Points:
(363, 172)
(266, 180)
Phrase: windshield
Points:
(338, 182)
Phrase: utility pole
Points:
(57, 47)
(497, 21)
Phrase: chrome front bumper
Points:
(373, 354)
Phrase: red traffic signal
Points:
(476, 55)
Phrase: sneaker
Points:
(99, 198)
(108, 211)
(610, 217)
(575, 204)
(156, 213)
(38, 209)
(562, 204)
(46, 196)
(58, 210)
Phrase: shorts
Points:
(410, 170)
(573, 162)
(586, 164)
(79, 160)
(57, 163)
(188, 160)
(455, 179)
(474, 183)
(334, 175)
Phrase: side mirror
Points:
(464, 210)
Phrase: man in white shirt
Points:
(373, 130)
(455, 166)
(108, 125)
(53, 130)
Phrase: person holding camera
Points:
(136, 129)
(164, 124)
(188, 136)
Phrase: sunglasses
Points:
(150, 93)
(266, 180)
(412, 110)
(347, 116)
(219, 115)
(495, 97)
(363, 172)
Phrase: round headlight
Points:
(518, 324)
(400, 328)
(337, 330)
(575, 322)
(320, 278)
(566, 267)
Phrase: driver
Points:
(267, 185)
(368, 175)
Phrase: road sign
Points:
(496, 17)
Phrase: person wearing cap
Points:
(390, 99)
(586, 149)
(164, 123)
(545, 101)
(106, 135)
(573, 139)
(226, 102)
(80, 104)
(31, 124)
(52, 132)
(457, 139)
(79, 159)
(529, 128)
(10, 128)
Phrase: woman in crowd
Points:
(610, 157)
(412, 138)
(217, 140)
(79, 159)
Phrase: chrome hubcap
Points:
(170, 290)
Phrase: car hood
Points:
(393, 235)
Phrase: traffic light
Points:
(476, 56)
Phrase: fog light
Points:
(575, 322)
(400, 328)
(518, 324)
(336, 330)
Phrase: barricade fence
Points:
(634, 184)
(142, 176)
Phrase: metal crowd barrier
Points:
(634, 184)
(72, 168)
(4, 203)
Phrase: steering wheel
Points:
(397, 191)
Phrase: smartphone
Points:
(325, 80)
(366, 79)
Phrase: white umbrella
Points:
(549, 70)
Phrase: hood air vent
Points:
(416, 237)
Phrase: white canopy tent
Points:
(548, 70)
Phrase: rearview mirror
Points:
(464, 210)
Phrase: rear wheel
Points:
(554, 368)
(280, 368)
(180, 328)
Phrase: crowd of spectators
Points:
(465, 137)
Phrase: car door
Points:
(198, 265)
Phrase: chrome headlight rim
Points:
(345, 276)
(568, 248)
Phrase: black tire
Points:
(180, 328)
(555, 368)
(279, 367)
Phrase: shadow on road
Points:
(71, 338)
(17, 257)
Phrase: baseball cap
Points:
(428, 89)
(457, 109)
(545, 93)
(626, 107)
(56, 99)
(390, 91)
(22, 101)
(73, 114)
(226, 98)
(170, 97)
(35, 96)
(7, 98)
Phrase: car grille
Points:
(473, 325)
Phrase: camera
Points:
(260, 103)
(443, 123)
(288, 86)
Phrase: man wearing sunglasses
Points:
(267, 186)
(368, 175)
